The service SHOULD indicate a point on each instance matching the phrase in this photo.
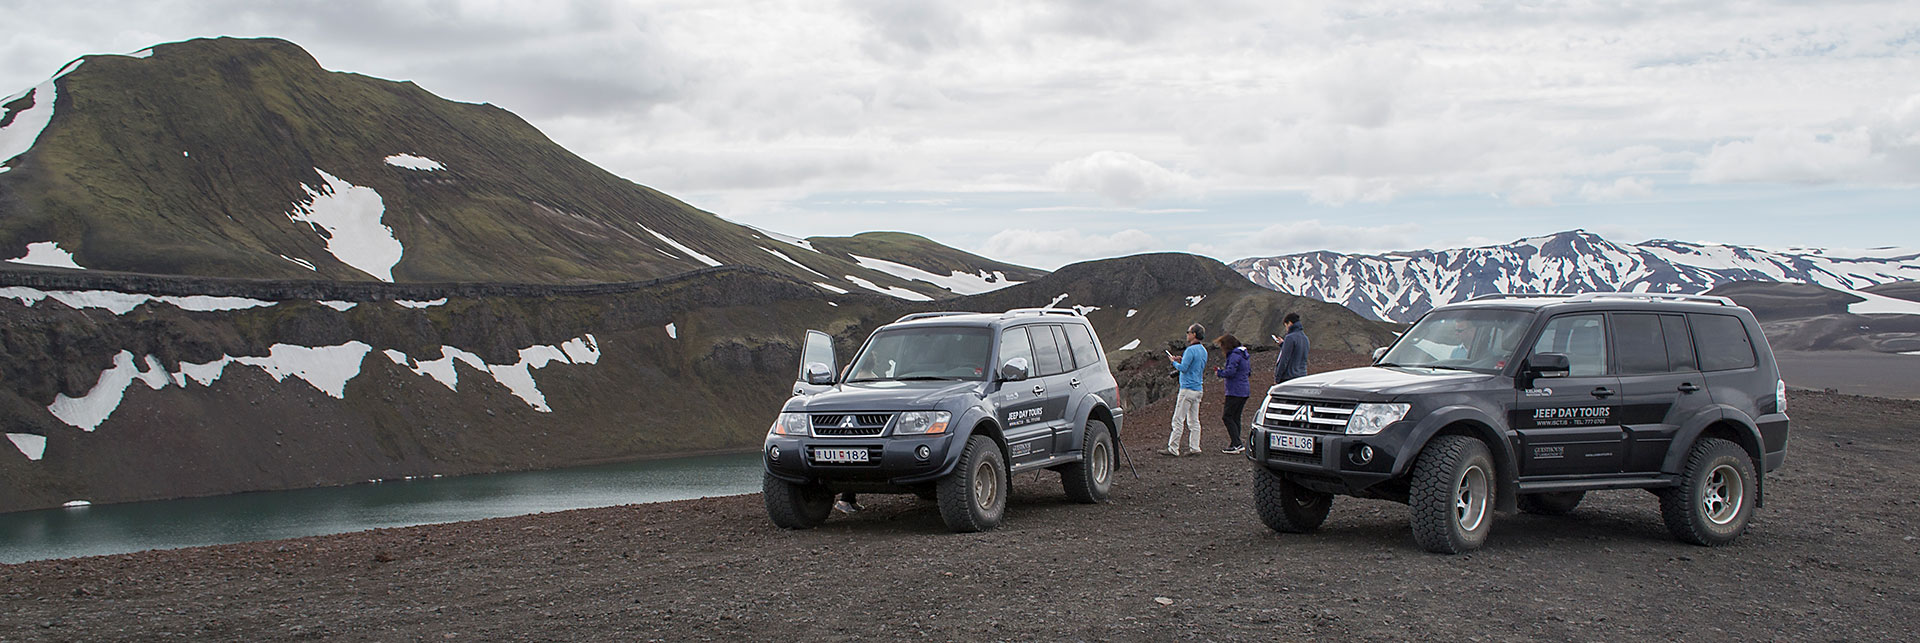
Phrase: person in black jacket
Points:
(1293, 351)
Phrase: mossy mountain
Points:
(218, 157)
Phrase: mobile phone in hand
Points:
(1276, 339)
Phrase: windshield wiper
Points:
(1447, 368)
(922, 378)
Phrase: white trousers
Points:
(1186, 415)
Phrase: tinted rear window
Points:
(1722, 342)
(1046, 351)
(1085, 352)
(1639, 346)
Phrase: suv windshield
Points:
(1468, 340)
(924, 354)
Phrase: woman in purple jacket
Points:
(1235, 372)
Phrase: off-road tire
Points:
(1558, 503)
(794, 506)
(1091, 479)
(1287, 507)
(1451, 499)
(974, 496)
(1716, 495)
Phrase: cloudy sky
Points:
(1044, 133)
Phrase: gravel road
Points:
(1177, 555)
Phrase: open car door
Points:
(817, 365)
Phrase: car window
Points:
(1582, 338)
(1046, 351)
(1679, 343)
(1722, 341)
(1639, 345)
(1013, 343)
(1085, 352)
(1474, 340)
(923, 353)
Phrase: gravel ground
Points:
(1177, 555)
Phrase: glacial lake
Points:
(273, 515)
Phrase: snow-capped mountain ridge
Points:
(1400, 286)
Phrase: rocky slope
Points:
(1401, 286)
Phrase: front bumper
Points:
(1340, 463)
(890, 460)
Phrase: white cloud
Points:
(1118, 177)
(1053, 248)
(1310, 235)
(1623, 188)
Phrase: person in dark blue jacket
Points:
(1238, 367)
(1293, 351)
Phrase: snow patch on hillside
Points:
(302, 263)
(1056, 300)
(518, 376)
(830, 288)
(327, 368)
(47, 253)
(689, 251)
(342, 306)
(421, 304)
(412, 162)
(1195, 300)
(20, 134)
(1131, 345)
(893, 291)
(30, 445)
(121, 303)
(959, 283)
(797, 264)
(348, 217)
(786, 239)
(673, 332)
(1131, 311)
(1881, 304)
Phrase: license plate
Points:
(1290, 442)
(840, 455)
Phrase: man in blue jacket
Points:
(1186, 408)
(1293, 351)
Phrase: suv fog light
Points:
(1361, 455)
(923, 453)
(773, 453)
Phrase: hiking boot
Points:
(1169, 452)
(1235, 449)
(847, 507)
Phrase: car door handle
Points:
(1688, 387)
(1075, 382)
(1039, 390)
(1602, 392)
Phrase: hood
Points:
(881, 396)
(1375, 383)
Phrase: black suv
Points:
(1529, 402)
(947, 406)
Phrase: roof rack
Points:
(1515, 295)
(1041, 311)
(1655, 296)
(913, 316)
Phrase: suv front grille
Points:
(1320, 416)
(842, 425)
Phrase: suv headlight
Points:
(792, 424)
(1369, 418)
(922, 423)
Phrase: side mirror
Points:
(1014, 370)
(818, 373)
(1548, 365)
(1378, 352)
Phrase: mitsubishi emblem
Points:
(847, 423)
(1302, 414)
